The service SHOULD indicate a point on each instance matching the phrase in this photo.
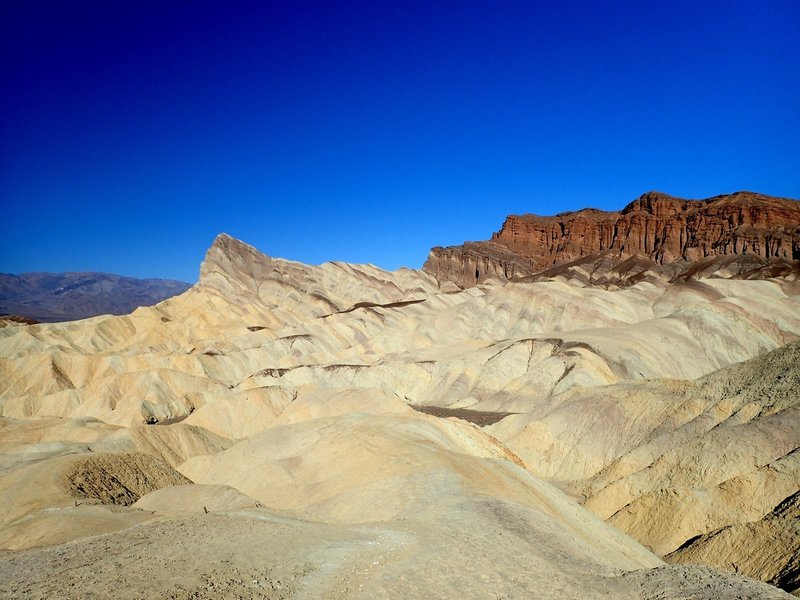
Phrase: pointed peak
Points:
(222, 238)
(230, 259)
(228, 243)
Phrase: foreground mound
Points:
(478, 551)
(192, 498)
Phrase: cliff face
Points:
(662, 228)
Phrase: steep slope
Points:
(660, 228)
(71, 296)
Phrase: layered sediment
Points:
(656, 226)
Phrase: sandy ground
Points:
(256, 554)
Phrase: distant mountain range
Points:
(51, 297)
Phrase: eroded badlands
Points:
(266, 435)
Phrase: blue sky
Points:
(370, 131)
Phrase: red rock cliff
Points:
(661, 227)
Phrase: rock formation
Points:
(658, 227)
(283, 430)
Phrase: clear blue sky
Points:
(131, 133)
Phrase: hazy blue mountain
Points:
(71, 296)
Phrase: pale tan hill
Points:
(728, 454)
(63, 479)
(58, 499)
(30, 440)
(304, 389)
(253, 321)
(690, 459)
(191, 498)
(464, 501)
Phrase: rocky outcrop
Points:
(232, 264)
(662, 228)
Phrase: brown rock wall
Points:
(663, 228)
